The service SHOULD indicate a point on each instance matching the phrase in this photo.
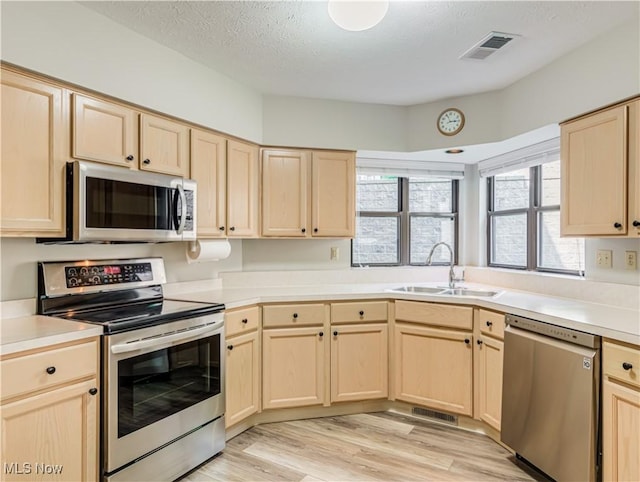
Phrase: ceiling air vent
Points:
(488, 45)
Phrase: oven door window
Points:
(158, 384)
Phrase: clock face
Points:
(450, 122)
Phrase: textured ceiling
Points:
(411, 57)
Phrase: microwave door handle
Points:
(162, 340)
(183, 209)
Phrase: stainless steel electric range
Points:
(162, 365)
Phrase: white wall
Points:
(19, 257)
(296, 121)
(294, 254)
(75, 44)
(618, 273)
(600, 72)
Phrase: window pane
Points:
(550, 184)
(377, 193)
(509, 240)
(425, 233)
(429, 195)
(511, 190)
(376, 240)
(555, 252)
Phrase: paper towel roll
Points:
(208, 250)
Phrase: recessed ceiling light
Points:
(454, 151)
(357, 15)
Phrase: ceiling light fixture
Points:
(357, 15)
(454, 151)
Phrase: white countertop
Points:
(36, 331)
(598, 319)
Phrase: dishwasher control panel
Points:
(554, 331)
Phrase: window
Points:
(401, 218)
(524, 222)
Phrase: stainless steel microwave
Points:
(109, 203)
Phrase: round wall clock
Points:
(450, 122)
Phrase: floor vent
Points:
(442, 417)
(488, 45)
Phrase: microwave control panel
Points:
(79, 276)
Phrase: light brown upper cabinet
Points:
(164, 146)
(34, 140)
(104, 132)
(209, 170)
(634, 168)
(333, 194)
(227, 173)
(112, 133)
(243, 195)
(600, 183)
(308, 194)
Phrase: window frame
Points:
(404, 229)
(533, 213)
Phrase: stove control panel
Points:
(96, 275)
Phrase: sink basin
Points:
(445, 291)
(418, 289)
(468, 292)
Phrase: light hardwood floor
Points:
(378, 446)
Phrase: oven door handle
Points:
(164, 339)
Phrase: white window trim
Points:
(533, 155)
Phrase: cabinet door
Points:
(104, 132)
(285, 187)
(433, 367)
(594, 174)
(620, 429)
(242, 378)
(333, 189)
(634, 169)
(359, 362)
(489, 354)
(58, 429)
(208, 169)
(293, 367)
(34, 149)
(164, 146)
(243, 197)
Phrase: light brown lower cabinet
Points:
(359, 362)
(242, 377)
(50, 428)
(621, 412)
(294, 367)
(434, 367)
(489, 353)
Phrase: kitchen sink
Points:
(468, 292)
(445, 291)
(418, 289)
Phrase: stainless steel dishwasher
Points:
(550, 398)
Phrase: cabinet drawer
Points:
(491, 323)
(241, 321)
(293, 315)
(614, 356)
(28, 373)
(359, 312)
(460, 317)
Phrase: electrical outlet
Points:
(604, 258)
(630, 259)
(335, 253)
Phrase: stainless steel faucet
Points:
(452, 273)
